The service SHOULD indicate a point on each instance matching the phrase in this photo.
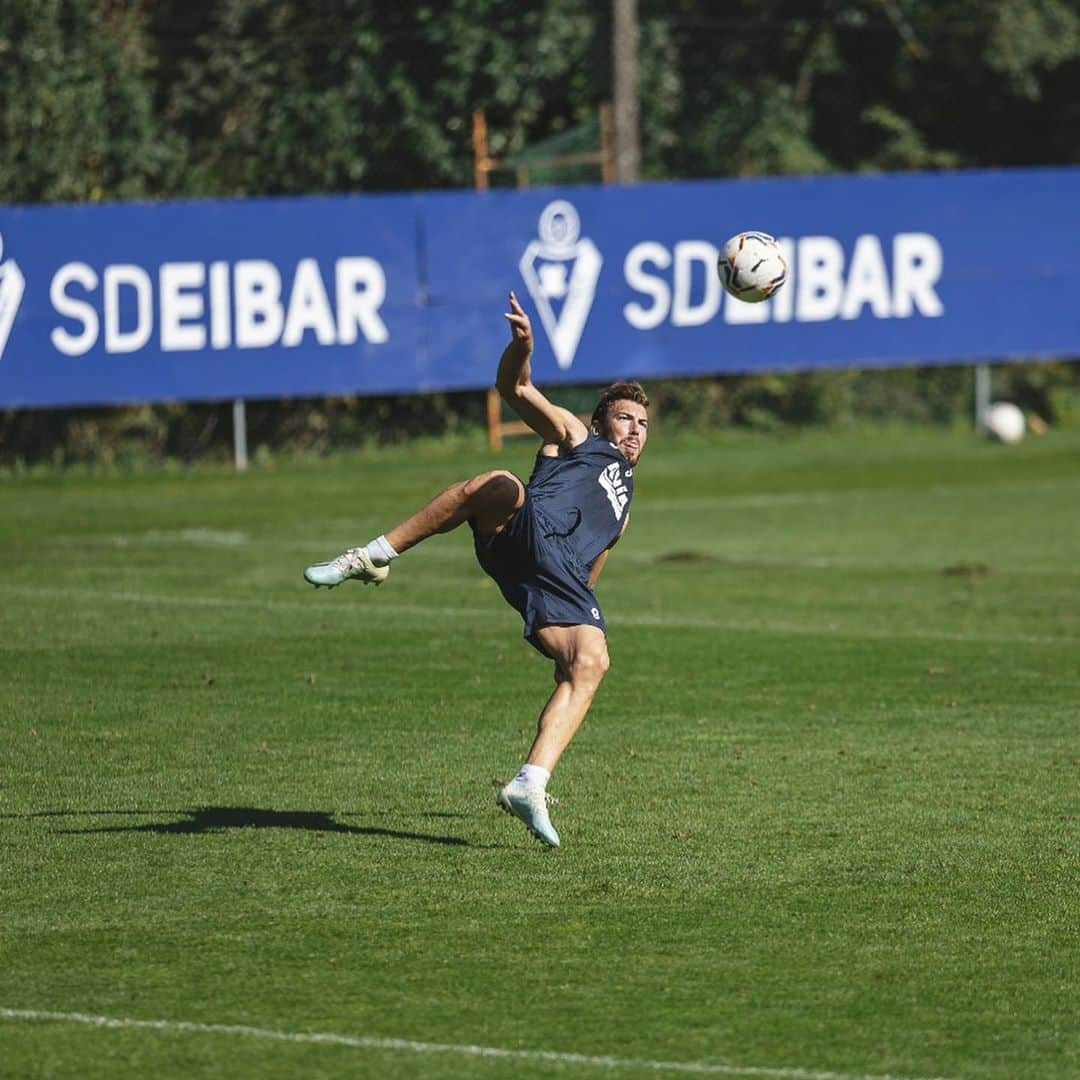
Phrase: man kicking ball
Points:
(544, 543)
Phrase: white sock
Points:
(380, 552)
(533, 776)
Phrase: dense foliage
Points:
(106, 99)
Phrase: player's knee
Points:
(590, 664)
(498, 488)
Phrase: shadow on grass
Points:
(209, 819)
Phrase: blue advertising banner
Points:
(203, 300)
(399, 293)
(884, 271)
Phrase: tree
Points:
(778, 86)
(78, 120)
(277, 97)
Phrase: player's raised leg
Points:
(581, 660)
(489, 500)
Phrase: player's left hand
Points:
(520, 327)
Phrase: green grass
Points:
(823, 815)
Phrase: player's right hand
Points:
(520, 327)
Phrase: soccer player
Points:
(543, 543)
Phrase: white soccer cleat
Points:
(354, 563)
(529, 805)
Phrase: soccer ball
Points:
(751, 266)
(1005, 422)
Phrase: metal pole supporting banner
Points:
(982, 396)
(239, 421)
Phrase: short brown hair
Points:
(618, 391)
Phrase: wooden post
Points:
(607, 142)
(494, 419)
(481, 167)
(481, 161)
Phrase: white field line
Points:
(371, 1042)
(213, 538)
(364, 523)
(640, 556)
(831, 495)
(496, 610)
(461, 555)
(120, 596)
(226, 538)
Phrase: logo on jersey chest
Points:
(611, 480)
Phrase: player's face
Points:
(628, 428)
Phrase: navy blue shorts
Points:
(538, 573)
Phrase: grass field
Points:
(821, 822)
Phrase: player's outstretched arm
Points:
(514, 382)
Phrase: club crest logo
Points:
(561, 269)
(12, 285)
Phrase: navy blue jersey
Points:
(575, 508)
(585, 494)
